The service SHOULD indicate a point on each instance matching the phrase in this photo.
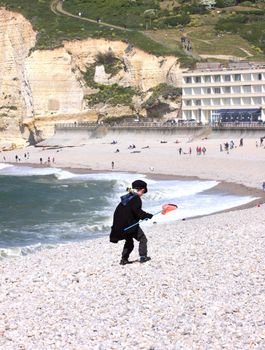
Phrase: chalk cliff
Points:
(39, 88)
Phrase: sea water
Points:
(43, 207)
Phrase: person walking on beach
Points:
(128, 212)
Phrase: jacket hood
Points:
(125, 199)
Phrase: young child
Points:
(128, 212)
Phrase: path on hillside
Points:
(57, 8)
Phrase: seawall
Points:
(72, 135)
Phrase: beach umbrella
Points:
(166, 208)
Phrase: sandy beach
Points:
(203, 288)
(243, 165)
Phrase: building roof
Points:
(217, 66)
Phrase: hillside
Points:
(154, 26)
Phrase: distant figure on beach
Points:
(16, 157)
(49, 161)
(112, 165)
(131, 147)
(117, 150)
(180, 151)
(40, 160)
(241, 142)
(129, 212)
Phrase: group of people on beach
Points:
(230, 145)
(18, 159)
(48, 162)
(199, 151)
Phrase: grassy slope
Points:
(53, 29)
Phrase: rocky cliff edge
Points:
(42, 87)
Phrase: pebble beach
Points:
(203, 289)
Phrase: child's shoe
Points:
(144, 259)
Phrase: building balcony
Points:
(213, 107)
(222, 95)
(223, 83)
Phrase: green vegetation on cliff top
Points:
(154, 26)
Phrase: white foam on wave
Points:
(5, 165)
(175, 189)
(22, 251)
(122, 180)
(199, 206)
(14, 170)
(64, 175)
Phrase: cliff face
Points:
(16, 100)
(39, 88)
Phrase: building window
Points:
(227, 78)
(217, 90)
(259, 76)
(247, 88)
(215, 116)
(236, 101)
(246, 100)
(236, 89)
(206, 102)
(226, 101)
(237, 77)
(216, 102)
(217, 78)
(188, 80)
(208, 90)
(257, 88)
(207, 78)
(197, 102)
(257, 100)
(197, 79)
(188, 114)
(188, 102)
(227, 89)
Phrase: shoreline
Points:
(222, 186)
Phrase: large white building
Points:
(233, 93)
